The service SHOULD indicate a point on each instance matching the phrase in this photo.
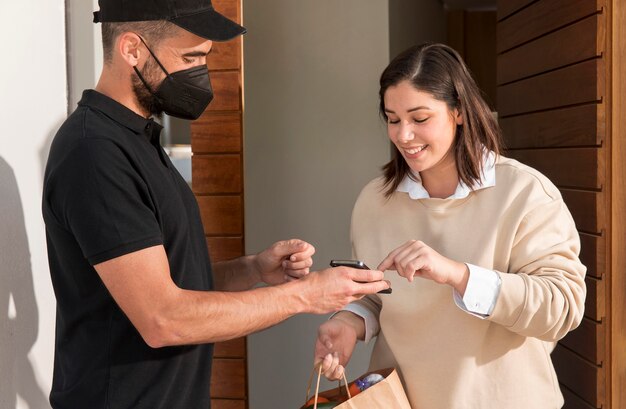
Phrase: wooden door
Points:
(555, 90)
(617, 118)
(217, 182)
(473, 35)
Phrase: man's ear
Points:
(129, 48)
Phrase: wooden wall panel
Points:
(569, 86)
(217, 182)
(229, 8)
(228, 380)
(586, 208)
(225, 56)
(506, 8)
(228, 404)
(225, 248)
(579, 375)
(553, 51)
(219, 133)
(566, 127)
(235, 348)
(592, 254)
(221, 215)
(565, 167)
(227, 91)
(217, 174)
(595, 306)
(541, 18)
(573, 401)
(587, 340)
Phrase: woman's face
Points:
(421, 127)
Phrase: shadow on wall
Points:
(19, 320)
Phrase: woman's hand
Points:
(336, 339)
(415, 259)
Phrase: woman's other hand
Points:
(336, 339)
(416, 259)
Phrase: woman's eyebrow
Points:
(418, 108)
(410, 110)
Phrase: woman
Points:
(486, 252)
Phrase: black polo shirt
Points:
(110, 190)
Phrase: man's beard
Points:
(146, 100)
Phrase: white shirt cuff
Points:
(481, 294)
(371, 322)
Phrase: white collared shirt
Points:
(483, 286)
(413, 184)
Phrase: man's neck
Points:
(119, 88)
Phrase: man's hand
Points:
(284, 261)
(332, 289)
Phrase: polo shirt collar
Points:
(413, 185)
(121, 114)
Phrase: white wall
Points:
(33, 103)
(313, 139)
(84, 48)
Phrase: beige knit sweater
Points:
(447, 357)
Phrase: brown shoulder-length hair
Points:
(440, 71)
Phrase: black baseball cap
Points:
(196, 16)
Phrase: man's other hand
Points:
(284, 261)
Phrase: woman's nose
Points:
(406, 133)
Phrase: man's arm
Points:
(235, 275)
(165, 314)
(284, 261)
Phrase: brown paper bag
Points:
(386, 394)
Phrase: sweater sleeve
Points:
(543, 294)
(367, 308)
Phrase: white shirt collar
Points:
(415, 189)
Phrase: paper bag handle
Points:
(317, 386)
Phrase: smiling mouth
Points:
(413, 151)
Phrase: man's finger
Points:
(298, 265)
(372, 288)
(303, 255)
(296, 274)
(295, 244)
(365, 275)
(294, 249)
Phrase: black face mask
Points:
(184, 94)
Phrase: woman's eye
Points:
(393, 121)
(419, 121)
